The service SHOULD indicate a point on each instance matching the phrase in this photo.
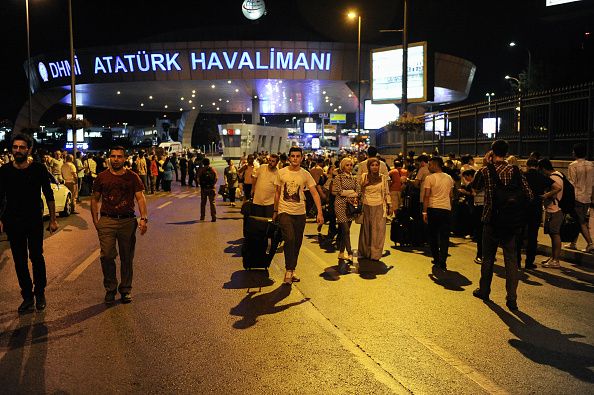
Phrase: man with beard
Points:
(117, 188)
(22, 218)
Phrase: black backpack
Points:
(567, 202)
(509, 204)
(208, 178)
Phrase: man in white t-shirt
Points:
(289, 208)
(437, 208)
(70, 177)
(553, 214)
(265, 178)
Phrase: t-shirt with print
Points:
(117, 191)
(293, 185)
(421, 175)
(552, 204)
(441, 185)
(266, 185)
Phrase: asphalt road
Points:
(200, 324)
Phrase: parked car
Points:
(62, 197)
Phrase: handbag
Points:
(353, 210)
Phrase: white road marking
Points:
(82, 267)
(164, 204)
(459, 365)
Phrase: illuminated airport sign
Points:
(386, 74)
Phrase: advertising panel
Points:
(386, 74)
(379, 115)
(337, 118)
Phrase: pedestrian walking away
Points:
(289, 208)
(112, 209)
(507, 195)
(581, 176)
(207, 177)
(22, 219)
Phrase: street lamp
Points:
(353, 15)
(519, 108)
(489, 96)
(514, 44)
(29, 63)
(72, 77)
(517, 81)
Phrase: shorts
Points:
(553, 222)
(581, 212)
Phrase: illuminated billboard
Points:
(386, 74)
(557, 2)
(337, 118)
(379, 115)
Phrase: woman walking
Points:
(376, 207)
(346, 189)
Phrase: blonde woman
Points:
(376, 207)
(346, 189)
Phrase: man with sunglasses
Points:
(22, 219)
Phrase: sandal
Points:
(288, 280)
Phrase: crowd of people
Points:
(423, 200)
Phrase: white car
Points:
(62, 197)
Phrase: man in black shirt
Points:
(539, 183)
(22, 219)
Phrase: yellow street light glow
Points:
(352, 15)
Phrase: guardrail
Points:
(549, 122)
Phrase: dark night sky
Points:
(475, 30)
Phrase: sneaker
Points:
(512, 305)
(552, 264)
(478, 294)
(109, 297)
(478, 260)
(570, 246)
(40, 302)
(545, 261)
(126, 298)
(26, 306)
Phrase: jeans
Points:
(477, 213)
(508, 241)
(26, 241)
(344, 242)
(439, 234)
(292, 227)
(123, 232)
(182, 175)
(231, 194)
(210, 195)
(144, 179)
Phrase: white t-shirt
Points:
(552, 204)
(265, 185)
(68, 172)
(441, 185)
(422, 175)
(293, 185)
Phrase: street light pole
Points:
(29, 65)
(529, 71)
(72, 79)
(405, 75)
(352, 15)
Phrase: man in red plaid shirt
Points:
(495, 235)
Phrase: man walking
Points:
(114, 192)
(142, 170)
(207, 177)
(22, 219)
(581, 175)
(502, 220)
(437, 208)
(289, 208)
(553, 213)
(265, 179)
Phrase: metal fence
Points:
(549, 122)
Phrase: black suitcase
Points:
(260, 243)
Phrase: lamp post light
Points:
(519, 108)
(517, 81)
(353, 15)
(529, 71)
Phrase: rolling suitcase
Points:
(261, 240)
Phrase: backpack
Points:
(509, 202)
(567, 202)
(208, 178)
